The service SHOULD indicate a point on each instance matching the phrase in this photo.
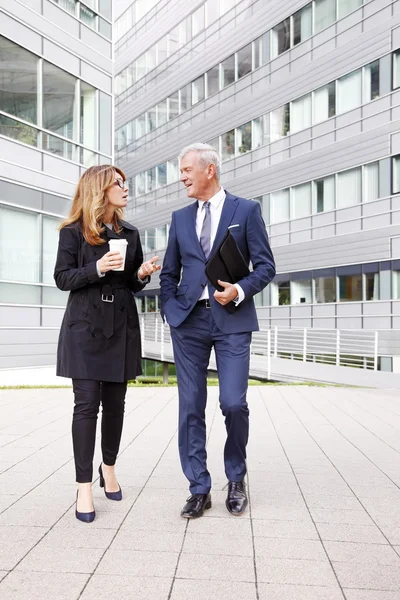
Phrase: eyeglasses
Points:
(121, 183)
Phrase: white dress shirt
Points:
(216, 206)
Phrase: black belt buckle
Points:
(205, 302)
(107, 297)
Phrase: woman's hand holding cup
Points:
(148, 268)
(110, 261)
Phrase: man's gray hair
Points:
(207, 156)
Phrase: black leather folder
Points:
(227, 264)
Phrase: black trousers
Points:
(88, 395)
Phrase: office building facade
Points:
(55, 121)
(302, 99)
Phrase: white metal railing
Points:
(345, 347)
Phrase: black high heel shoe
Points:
(110, 495)
(84, 517)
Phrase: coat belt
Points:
(107, 297)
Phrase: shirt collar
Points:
(214, 200)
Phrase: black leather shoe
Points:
(196, 505)
(236, 500)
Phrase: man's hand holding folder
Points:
(225, 267)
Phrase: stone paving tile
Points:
(77, 538)
(15, 542)
(348, 552)
(228, 545)
(120, 587)
(370, 595)
(350, 517)
(187, 589)
(290, 571)
(285, 529)
(332, 502)
(61, 560)
(368, 576)
(3, 574)
(289, 548)
(138, 563)
(149, 541)
(42, 586)
(216, 567)
(30, 517)
(272, 591)
(351, 533)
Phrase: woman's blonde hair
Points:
(90, 203)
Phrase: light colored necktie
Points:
(205, 236)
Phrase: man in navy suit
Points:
(199, 320)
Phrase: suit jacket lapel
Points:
(228, 210)
(192, 228)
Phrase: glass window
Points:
(213, 81)
(162, 113)
(50, 243)
(150, 240)
(150, 304)
(19, 245)
(53, 296)
(371, 286)
(151, 58)
(243, 138)
(283, 292)
(349, 92)
(172, 171)
(162, 174)
(69, 5)
(301, 291)
(141, 183)
(396, 70)
(226, 5)
(59, 102)
(261, 50)
(228, 71)
(280, 119)
(325, 289)
(301, 200)
(141, 69)
(300, 113)
(151, 179)
(215, 144)
(371, 182)
(60, 147)
(105, 28)
(105, 118)
(141, 126)
(347, 6)
(87, 16)
(348, 188)
(152, 118)
(350, 288)
(162, 47)
(371, 81)
(280, 38)
(12, 293)
(302, 24)
(279, 206)
(89, 116)
(396, 285)
(185, 31)
(18, 81)
(161, 237)
(173, 102)
(244, 59)
(325, 194)
(260, 131)
(324, 102)
(198, 20)
(18, 131)
(186, 97)
(396, 174)
(324, 14)
(105, 8)
(228, 145)
(173, 41)
(198, 92)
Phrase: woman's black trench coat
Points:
(100, 336)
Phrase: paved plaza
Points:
(323, 521)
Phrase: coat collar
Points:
(110, 233)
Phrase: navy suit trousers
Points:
(192, 343)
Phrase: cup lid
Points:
(118, 241)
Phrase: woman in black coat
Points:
(99, 344)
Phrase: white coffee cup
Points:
(120, 246)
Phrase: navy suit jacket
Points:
(183, 275)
